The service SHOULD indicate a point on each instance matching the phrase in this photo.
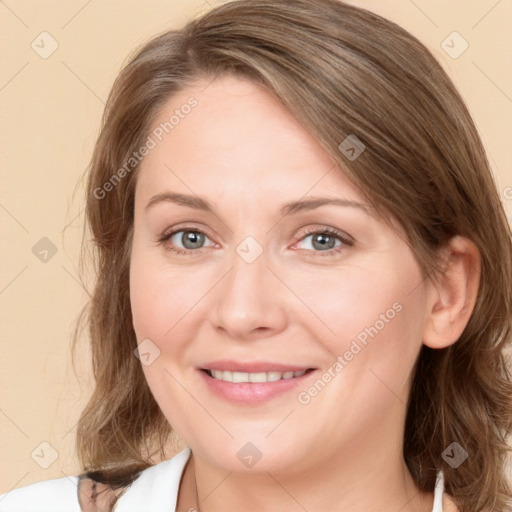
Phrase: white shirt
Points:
(154, 490)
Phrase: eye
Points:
(327, 240)
(191, 240)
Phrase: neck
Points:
(349, 480)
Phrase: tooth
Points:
(258, 377)
(240, 377)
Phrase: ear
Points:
(452, 294)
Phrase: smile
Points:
(240, 377)
(253, 388)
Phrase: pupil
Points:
(326, 241)
(192, 240)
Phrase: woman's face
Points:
(249, 282)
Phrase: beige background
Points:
(51, 112)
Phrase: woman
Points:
(304, 273)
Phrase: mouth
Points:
(239, 377)
(230, 382)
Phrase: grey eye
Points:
(322, 241)
(189, 239)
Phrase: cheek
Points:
(159, 297)
(371, 313)
(168, 306)
(147, 302)
(162, 310)
(372, 329)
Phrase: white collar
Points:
(156, 488)
(438, 492)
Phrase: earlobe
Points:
(452, 294)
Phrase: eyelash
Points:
(346, 241)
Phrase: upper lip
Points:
(253, 367)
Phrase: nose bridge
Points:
(249, 299)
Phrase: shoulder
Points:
(42, 497)
(155, 490)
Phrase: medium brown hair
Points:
(340, 70)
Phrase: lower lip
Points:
(251, 393)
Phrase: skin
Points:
(246, 155)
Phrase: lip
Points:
(252, 393)
(229, 365)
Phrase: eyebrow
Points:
(198, 203)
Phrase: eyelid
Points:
(184, 227)
(345, 239)
(322, 228)
(167, 234)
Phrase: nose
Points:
(250, 301)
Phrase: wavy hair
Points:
(340, 70)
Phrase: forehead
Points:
(237, 139)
